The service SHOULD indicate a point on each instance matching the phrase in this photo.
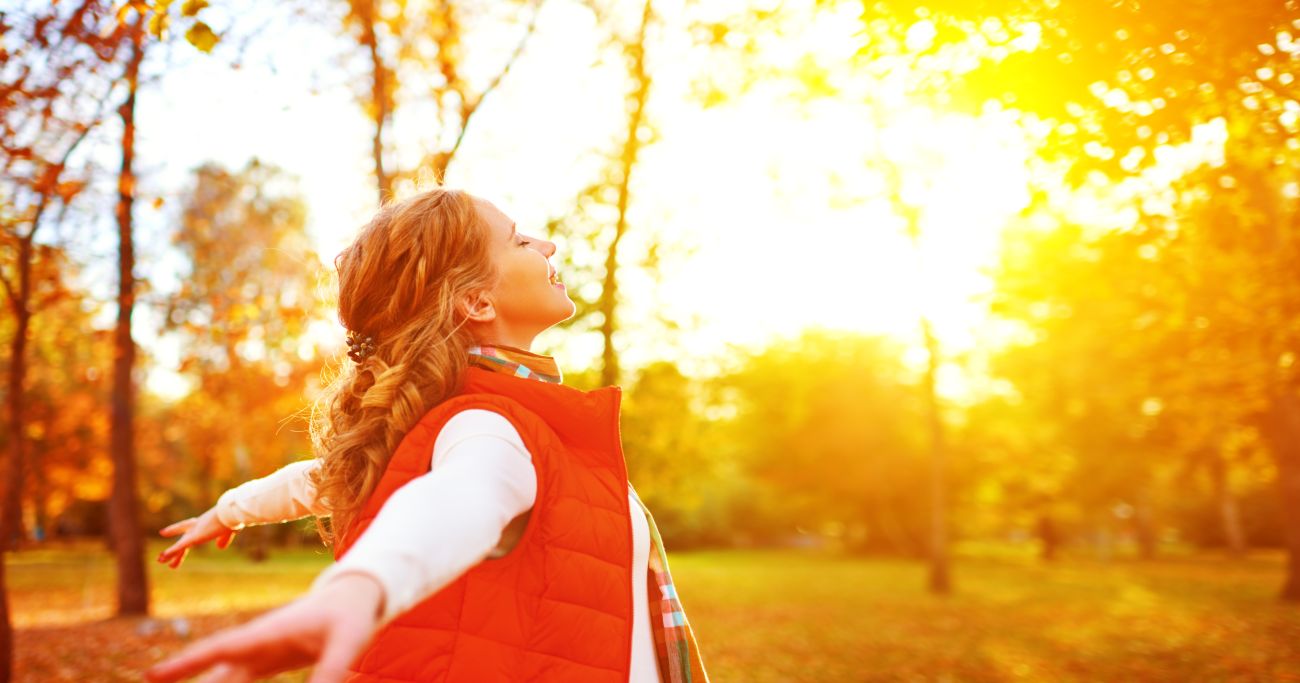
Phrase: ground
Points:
(763, 616)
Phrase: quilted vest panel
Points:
(557, 606)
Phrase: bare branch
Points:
(514, 56)
(468, 109)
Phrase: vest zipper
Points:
(627, 507)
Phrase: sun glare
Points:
(781, 214)
(805, 229)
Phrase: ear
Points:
(478, 307)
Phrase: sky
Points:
(786, 225)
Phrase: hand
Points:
(328, 627)
(196, 530)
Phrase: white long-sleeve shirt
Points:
(481, 476)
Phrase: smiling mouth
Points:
(555, 277)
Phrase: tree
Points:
(831, 425)
(632, 142)
(600, 217)
(899, 71)
(62, 78)
(1121, 82)
(412, 46)
(59, 75)
(685, 465)
(1084, 372)
(44, 125)
(242, 311)
(65, 427)
(124, 524)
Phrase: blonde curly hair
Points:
(400, 282)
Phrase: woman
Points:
(480, 511)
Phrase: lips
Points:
(554, 276)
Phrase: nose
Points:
(544, 247)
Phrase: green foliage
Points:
(681, 462)
(830, 426)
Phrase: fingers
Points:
(174, 555)
(341, 651)
(168, 555)
(196, 531)
(173, 560)
(242, 646)
(177, 527)
(193, 659)
(228, 673)
(310, 631)
(287, 637)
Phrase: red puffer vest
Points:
(557, 607)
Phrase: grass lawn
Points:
(762, 616)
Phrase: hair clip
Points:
(359, 347)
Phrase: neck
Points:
(501, 345)
(517, 341)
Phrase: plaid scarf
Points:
(675, 646)
(517, 362)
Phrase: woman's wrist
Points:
(225, 513)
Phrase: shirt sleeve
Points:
(285, 494)
(442, 523)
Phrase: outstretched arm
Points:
(426, 535)
(284, 495)
(281, 496)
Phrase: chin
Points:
(569, 312)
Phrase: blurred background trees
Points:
(249, 290)
(1159, 344)
(1132, 389)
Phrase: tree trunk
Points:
(11, 524)
(895, 537)
(1234, 534)
(1144, 525)
(40, 495)
(11, 515)
(1049, 536)
(1283, 429)
(8, 516)
(292, 537)
(940, 571)
(1104, 541)
(940, 576)
(208, 484)
(254, 539)
(378, 97)
(6, 630)
(123, 517)
(609, 370)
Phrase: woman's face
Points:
(526, 298)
